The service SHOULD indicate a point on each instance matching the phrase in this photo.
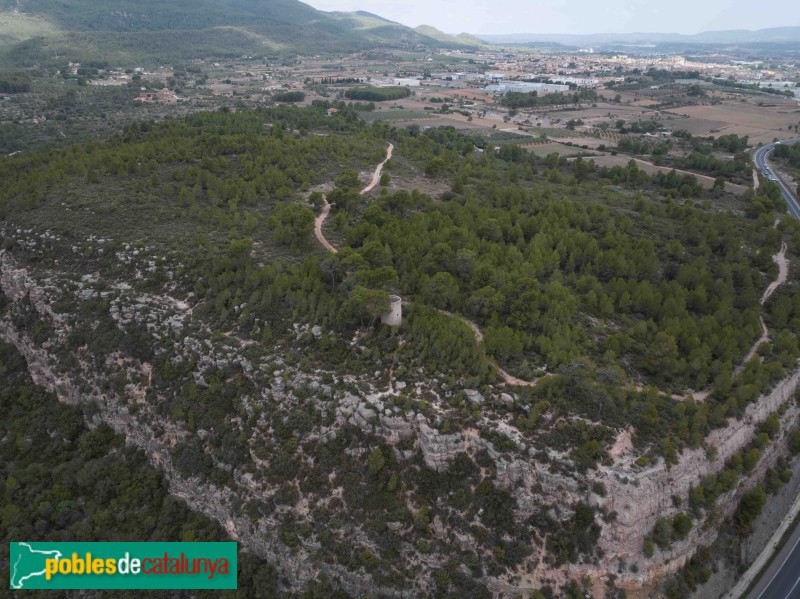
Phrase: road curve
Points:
(780, 579)
(760, 159)
(784, 584)
(769, 576)
(326, 208)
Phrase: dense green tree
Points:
(292, 225)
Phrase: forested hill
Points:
(147, 15)
(169, 278)
(81, 29)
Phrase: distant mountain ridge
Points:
(162, 30)
(462, 39)
(128, 32)
(734, 36)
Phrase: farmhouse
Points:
(407, 82)
(162, 96)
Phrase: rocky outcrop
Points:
(641, 497)
(439, 449)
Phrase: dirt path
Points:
(318, 227)
(763, 339)
(475, 328)
(783, 273)
(756, 182)
(508, 378)
(376, 176)
(326, 208)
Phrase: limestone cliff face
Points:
(641, 497)
(638, 496)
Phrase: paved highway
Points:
(782, 579)
(760, 160)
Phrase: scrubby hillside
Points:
(577, 387)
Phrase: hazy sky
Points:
(578, 16)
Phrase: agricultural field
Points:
(761, 123)
(544, 149)
(590, 142)
(650, 168)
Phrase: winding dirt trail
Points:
(783, 273)
(508, 378)
(376, 176)
(763, 339)
(326, 209)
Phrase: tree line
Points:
(377, 94)
(533, 99)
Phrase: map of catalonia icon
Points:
(27, 563)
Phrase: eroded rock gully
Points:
(638, 496)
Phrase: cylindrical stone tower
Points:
(395, 315)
